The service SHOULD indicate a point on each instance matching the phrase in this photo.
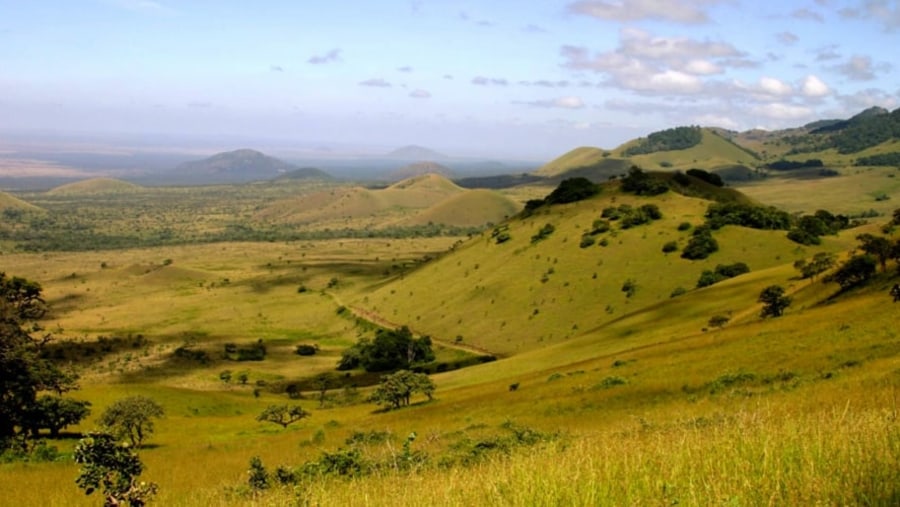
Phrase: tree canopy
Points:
(131, 418)
(396, 389)
(389, 350)
(25, 372)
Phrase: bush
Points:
(670, 247)
(640, 183)
(586, 241)
(543, 233)
(701, 244)
(306, 350)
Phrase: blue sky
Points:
(501, 78)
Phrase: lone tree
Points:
(283, 414)
(774, 301)
(396, 389)
(323, 382)
(24, 371)
(131, 418)
(855, 271)
(876, 246)
(114, 467)
(55, 413)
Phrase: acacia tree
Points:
(25, 373)
(131, 418)
(396, 389)
(774, 301)
(114, 468)
(876, 246)
(55, 413)
(283, 414)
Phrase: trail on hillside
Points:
(378, 320)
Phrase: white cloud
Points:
(772, 86)
(420, 94)
(787, 38)
(716, 120)
(680, 11)
(814, 87)
(865, 99)
(782, 111)
(702, 67)
(808, 15)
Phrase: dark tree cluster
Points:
(711, 178)
(866, 132)
(720, 214)
(569, 190)
(721, 272)
(678, 138)
(808, 229)
(892, 158)
(629, 216)
(701, 244)
(641, 183)
(389, 350)
(790, 165)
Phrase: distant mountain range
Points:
(415, 153)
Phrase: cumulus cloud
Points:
(545, 83)
(487, 81)
(332, 56)
(420, 94)
(405, 68)
(827, 53)
(864, 99)
(650, 64)
(776, 87)
(679, 11)
(375, 83)
(814, 87)
(570, 102)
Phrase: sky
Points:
(528, 78)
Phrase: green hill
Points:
(473, 208)
(95, 186)
(711, 152)
(14, 203)
(521, 295)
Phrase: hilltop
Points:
(419, 169)
(233, 167)
(95, 186)
(9, 202)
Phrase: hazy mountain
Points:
(413, 152)
(233, 167)
(418, 169)
(305, 173)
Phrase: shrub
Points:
(543, 233)
(572, 190)
(670, 247)
(306, 350)
(586, 241)
(701, 244)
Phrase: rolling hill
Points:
(473, 208)
(95, 186)
(14, 203)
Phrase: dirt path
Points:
(378, 320)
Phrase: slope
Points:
(95, 186)
(473, 208)
(523, 294)
(10, 202)
(713, 151)
(232, 167)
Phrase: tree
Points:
(774, 301)
(877, 246)
(323, 382)
(283, 415)
(821, 262)
(396, 389)
(572, 190)
(701, 244)
(114, 467)
(131, 418)
(55, 413)
(855, 271)
(25, 371)
(390, 350)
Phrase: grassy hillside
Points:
(600, 396)
(95, 186)
(520, 295)
(10, 202)
(713, 151)
(474, 208)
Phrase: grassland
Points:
(633, 400)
